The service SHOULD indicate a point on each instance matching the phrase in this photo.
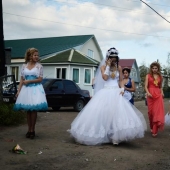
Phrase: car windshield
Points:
(77, 86)
(45, 82)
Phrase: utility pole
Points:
(2, 49)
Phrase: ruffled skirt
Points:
(108, 117)
(31, 98)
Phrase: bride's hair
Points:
(113, 53)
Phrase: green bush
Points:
(10, 117)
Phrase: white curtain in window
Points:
(87, 76)
(76, 75)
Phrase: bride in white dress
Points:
(108, 117)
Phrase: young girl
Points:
(108, 116)
(129, 85)
(30, 95)
(153, 88)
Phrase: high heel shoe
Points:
(154, 135)
(27, 135)
(32, 135)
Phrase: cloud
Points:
(112, 23)
(79, 18)
(147, 44)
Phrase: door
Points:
(55, 93)
(71, 93)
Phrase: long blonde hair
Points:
(159, 69)
(29, 53)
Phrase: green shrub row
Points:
(10, 117)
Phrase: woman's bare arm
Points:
(133, 88)
(104, 76)
(38, 80)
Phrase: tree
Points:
(165, 85)
(143, 72)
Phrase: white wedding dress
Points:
(108, 117)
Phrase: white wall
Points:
(81, 83)
(9, 71)
(91, 46)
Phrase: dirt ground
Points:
(53, 148)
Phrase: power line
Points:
(155, 11)
(102, 29)
(108, 6)
(151, 3)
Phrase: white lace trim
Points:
(38, 72)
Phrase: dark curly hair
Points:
(126, 69)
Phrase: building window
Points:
(76, 75)
(61, 73)
(14, 71)
(133, 72)
(87, 76)
(90, 53)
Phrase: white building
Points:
(69, 57)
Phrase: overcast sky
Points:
(129, 25)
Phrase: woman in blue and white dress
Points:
(31, 96)
(108, 117)
(129, 85)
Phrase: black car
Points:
(9, 92)
(65, 93)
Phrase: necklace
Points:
(113, 75)
(155, 82)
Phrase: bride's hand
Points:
(122, 93)
(108, 62)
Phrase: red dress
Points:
(155, 105)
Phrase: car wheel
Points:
(56, 108)
(79, 105)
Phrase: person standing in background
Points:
(153, 88)
(31, 96)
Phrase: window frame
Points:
(88, 51)
(16, 74)
(60, 77)
(133, 72)
(90, 76)
(79, 74)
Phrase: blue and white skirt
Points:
(31, 98)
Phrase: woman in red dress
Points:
(153, 87)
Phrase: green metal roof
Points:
(45, 46)
(76, 58)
